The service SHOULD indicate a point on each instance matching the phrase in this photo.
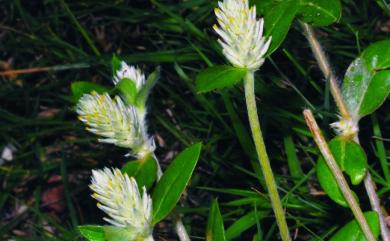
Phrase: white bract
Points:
(241, 34)
(130, 72)
(118, 196)
(138, 78)
(118, 124)
(345, 127)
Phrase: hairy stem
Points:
(323, 62)
(263, 157)
(375, 203)
(324, 65)
(342, 183)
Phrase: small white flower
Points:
(345, 127)
(130, 72)
(117, 123)
(118, 196)
(241, 34)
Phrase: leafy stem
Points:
(324, 65)
(342, 183)
(263, 157)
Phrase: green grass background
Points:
(77, 39)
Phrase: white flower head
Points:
(130, 72)
(241, 34)
(116, 123)
(118, 196)
(345, 127)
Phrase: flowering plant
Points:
(122, 121)
(245, 44)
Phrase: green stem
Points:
(263, 157)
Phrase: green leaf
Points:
(174, 181)
(218, 77)
(263, 6)
(116, 64)
(366, 83)
(244, 223)
(144, 171)
(277, 22)
(355, 161)
(351, 159)
(278, 16)
(294, 164)
(128, 89)
(113, 233)
(319, 12)
(377, 92)
(352, 231)
(80, 88)
(92, 232)
(328, 183)
(377, 55)
(215, 230)
(145, 89)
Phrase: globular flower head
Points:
(241, 34)
(116, 123)
(130, 72)
(119, 197)
(345, 127)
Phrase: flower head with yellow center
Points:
(116, 123)
(118, 196)
(241, 34)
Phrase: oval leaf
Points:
(377, 92)
(80, 88)
(354, 159)
(277, 22)
(366, 83)
(174, 181)
(218, 77)
(351, 159)
(92, 232)
(128, 89)
(328, 183)
(278, 15)
(144, 171)
(352, 231)
(320, 12)
(215, 230)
